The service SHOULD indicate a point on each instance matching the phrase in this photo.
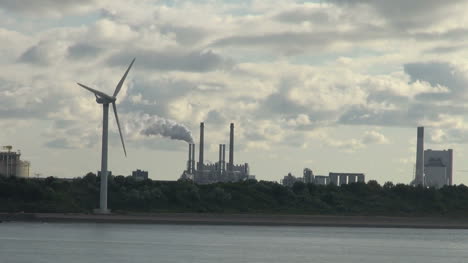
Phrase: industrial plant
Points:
(434, 168)
(206, 173)
(12, 165)
(332, 178)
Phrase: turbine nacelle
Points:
(102, 100)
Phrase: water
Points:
(73, 243)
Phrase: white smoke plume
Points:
(148, 125)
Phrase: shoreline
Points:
(244, 220)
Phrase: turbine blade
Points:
(119, 86)
(118, 125)
(96, 92)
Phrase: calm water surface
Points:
(73, 243)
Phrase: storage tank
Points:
(22, 169)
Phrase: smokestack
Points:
(231, 148)
(224, 158)
(189, 162)
(220, 163)
(419, 178)
(450, 167)
(193, 159)
(200, 155)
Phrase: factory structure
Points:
(207, 173)
(332, 178)
(11, 163)
(434, 168)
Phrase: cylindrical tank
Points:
(22, 169)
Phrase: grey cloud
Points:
(36, 55)
(59, 143)
(83, 50)
(25, 102)
(156, 95)
(362, 115)
(406, 14)
(185, 35)
(409, 116)
(173, 60)
(215, 117)
(387, 97)
(291, 43)
(439, 73)
(42, 6)
(444, 49)
(300, 15)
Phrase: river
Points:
(82, 243)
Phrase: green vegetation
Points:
(128, 195)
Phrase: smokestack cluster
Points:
(222, 153)
(419, 177)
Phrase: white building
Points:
(12, 165)
(438, 167)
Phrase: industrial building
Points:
(434, 168)
(140, 175)
(12, 165)
(332, 178)
(207, 173)
(308, 176)
(289, 180)
(438, 168)
(346, 178)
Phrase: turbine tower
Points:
(105, 100)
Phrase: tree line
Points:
(81, 195)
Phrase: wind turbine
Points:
(105, 100)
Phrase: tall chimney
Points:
(220, 163)
(200, 155)
(419, 178)
(224, 158)
(450, 167)
(193, 159)
(189, 162)
(231, 148)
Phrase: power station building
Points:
(12, 165)
(434, 168)
(438, 168)
(207, 173)
(332, 178)
(346, 178)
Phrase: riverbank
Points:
(244, 219)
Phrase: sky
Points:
(335, 86)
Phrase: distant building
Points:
(140, 175)
(321, 180)
(289, 180)
(438, 168)
(346, 178)
(308, 176)
(12, 165)
(435, 173)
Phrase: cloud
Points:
(173, 60)
(374, 137)
(408, 14)
(45, 7)
(83, 50)
(44, 53)
(439, 74)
